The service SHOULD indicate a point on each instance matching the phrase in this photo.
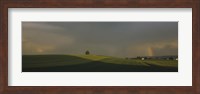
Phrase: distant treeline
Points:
(156, 57)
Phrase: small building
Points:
(142, 58)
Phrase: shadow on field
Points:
(100, 66)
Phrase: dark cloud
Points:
(122, 39)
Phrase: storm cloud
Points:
(120, 39)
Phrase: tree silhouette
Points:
(87, 52)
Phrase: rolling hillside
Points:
(93, 63)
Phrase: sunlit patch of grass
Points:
(124, 61)
(93, 57)
(113, 60)
(165, 63)
(157, 62)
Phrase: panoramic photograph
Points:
(99, 46)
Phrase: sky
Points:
(118, 39)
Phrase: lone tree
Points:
(87, 52)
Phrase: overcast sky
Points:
(120, 39)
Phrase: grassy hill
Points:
(93, 63)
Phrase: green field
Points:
(94, 63)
